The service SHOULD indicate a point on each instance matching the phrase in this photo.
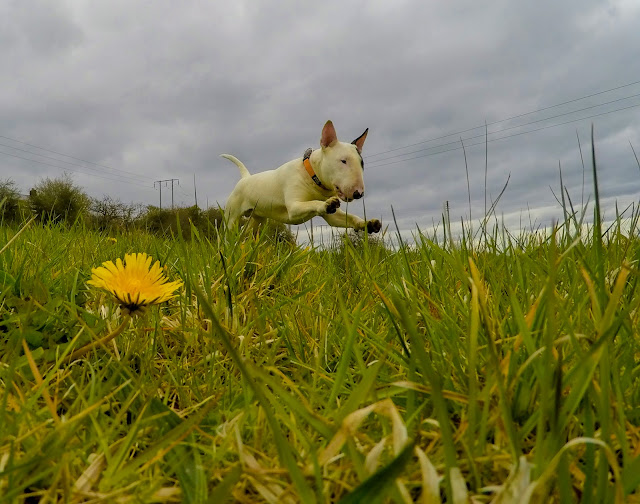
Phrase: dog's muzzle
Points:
(356, 195)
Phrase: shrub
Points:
(58, 200)
(213, 216)
(358, 239)
(280, 232)
(165, 221)
(9, 201)
(207, 222)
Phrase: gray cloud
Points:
(160, 90)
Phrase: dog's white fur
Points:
(288, 194)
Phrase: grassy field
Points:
(502, 369)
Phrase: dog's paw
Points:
(373, 226)
(332, 204)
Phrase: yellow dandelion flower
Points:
(134, 282)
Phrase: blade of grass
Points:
(284, 449)
(374, 489)
(424, 363)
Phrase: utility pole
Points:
(154, 186)
(160, 182)
(195, 192)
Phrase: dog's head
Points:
(341, 165)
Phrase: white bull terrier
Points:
(305, 187)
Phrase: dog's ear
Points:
(328, 136)
(359, 142)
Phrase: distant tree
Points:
(111, 214)
(9, 201)
(106, 212)
(58, 200)
(131, 213)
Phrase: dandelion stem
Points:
(90, 346)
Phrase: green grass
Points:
(427, 373)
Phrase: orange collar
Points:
(312, 174)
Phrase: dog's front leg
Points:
(301, 211)
(345, 220)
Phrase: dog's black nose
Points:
(357, 194)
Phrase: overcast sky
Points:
(158, 90)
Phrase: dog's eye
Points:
(344, 161)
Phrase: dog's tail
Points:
(243, 169)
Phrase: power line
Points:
(69, 169)
(184, 194)
(67, 155)
(503, 120)
(373, 163)
(137, 178)
(508, 136)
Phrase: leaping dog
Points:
(305, 187)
